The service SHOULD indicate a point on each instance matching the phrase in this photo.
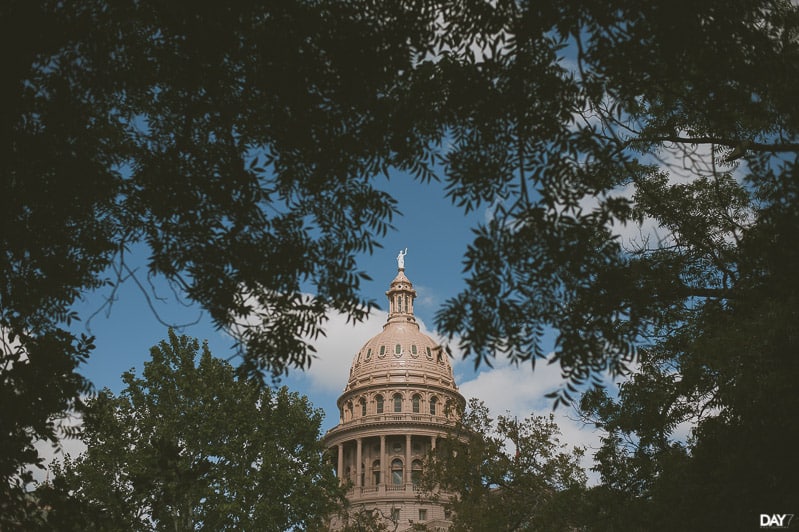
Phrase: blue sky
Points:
(436, 234)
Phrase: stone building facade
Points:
(399, 399)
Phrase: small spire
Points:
(401, 293)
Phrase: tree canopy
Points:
(236, 142)
(239, 142)
(188, 446)
(506, 474)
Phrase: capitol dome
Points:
(401, 348)
(400, 397)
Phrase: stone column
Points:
(407, 459)
(341, 463)
(383, 459)
(358, 460)
(433, 442)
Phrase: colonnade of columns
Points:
(385, 458)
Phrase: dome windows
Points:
(376, 472)
(379, 403)
(416, 472)
(433, 405)
(396, 472)
(398, 350)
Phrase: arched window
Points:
(376, 472)
(433, 404)
(396, 472)
(397, 350)
(362, 403)
(397, 403)
(416, 472)
(416, 402)
(379, 401)
(349, 411)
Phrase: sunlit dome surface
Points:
(401, 347)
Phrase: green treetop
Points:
(188, 446)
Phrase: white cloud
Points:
(425, 298)
(67, 447)
(330, 370)
(520, 391)
(517, 390)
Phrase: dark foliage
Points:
(188, 446)
(238, 141)
(506, 474)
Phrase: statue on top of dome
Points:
(401, 259)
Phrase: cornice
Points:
(390, 424)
